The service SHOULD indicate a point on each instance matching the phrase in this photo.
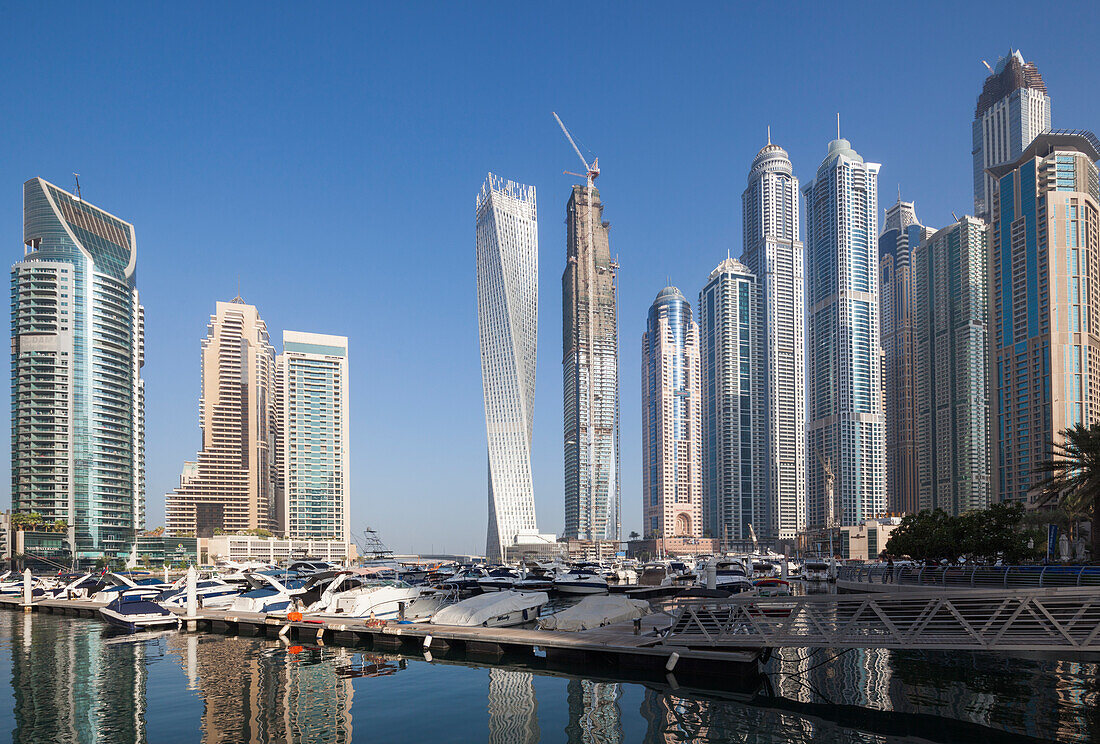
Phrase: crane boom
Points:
(570, 138)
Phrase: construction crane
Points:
(591, 173)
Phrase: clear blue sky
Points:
(328, 159)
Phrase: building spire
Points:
(769, 134)
(838, 125)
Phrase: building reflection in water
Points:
(513, 709)
(298, 695)
(594, 713)
(75, 686)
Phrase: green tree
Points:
(634, 535)
(1073, 477)
(983, 536)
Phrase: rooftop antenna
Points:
(77, 177)
(987, 66)
(899, 193)
(769, 134)
(838, 125)
(955, 215)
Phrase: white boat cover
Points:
(476, 610)
(596, 611)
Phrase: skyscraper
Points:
(950, 321)
(1012, 109)
(732, 420)
(507, 311)
(590, 372)
(77, 396)
(901, 235)
(231, 484)
(774, 254)
(845, 432)
(672, 488)
(1044, 345)
(314, 436)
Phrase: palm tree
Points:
(1073, 476)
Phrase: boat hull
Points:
(579, 587)
(136, 622)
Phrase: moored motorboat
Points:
(493, 610)
(499, 579)
(131, 611)
(596, 612)
(355, 593)
(581, 581)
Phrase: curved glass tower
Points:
(507, 312)
(78, 433)
(672, 488)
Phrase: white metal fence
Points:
(974, 576)
(1066, 619)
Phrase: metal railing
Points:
(1064, 619)
(974, 576)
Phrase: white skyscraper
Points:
(312, 381)
(775, 255)
(1012, 109)
(507, 308)
(846, 427)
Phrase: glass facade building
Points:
(775, 255)
(950, 319)
(507, 311)
(1044, 342)
(590, 372)
(901, 234)
(77, 396)
(1012, 109)
(734, 502)
(845, 427)
(672, 487)
(312, 393)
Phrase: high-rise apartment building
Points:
(1044, 344)
(734, 503)
(231, 485)
(774, 254)
(901, 234)
(1012, 109)
(590, 372)
(507, 311)
(313, 442)
(845, 431)
(950, 319)
(672, 485)
(77, 396)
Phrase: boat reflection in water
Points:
(74, 680)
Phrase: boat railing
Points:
(973, 575)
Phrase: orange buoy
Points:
(294, 617)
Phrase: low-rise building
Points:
(160, 550)
(273, 549)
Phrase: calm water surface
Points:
(74, 680)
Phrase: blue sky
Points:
(328, 160)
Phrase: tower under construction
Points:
(590, 370)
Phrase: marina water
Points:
(75, 680)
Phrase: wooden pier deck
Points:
(611, 649)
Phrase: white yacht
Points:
(499, 579)
(354, 594)
(581, 581)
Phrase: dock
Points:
(612, 649)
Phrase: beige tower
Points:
(231, 484)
